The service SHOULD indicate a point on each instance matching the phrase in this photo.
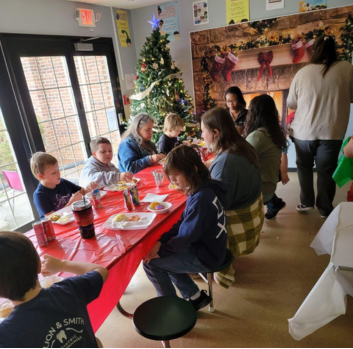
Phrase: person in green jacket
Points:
(263, 132)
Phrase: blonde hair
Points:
(172, 121)
(96, 141)
(40, 161)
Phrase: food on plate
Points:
(122, 182)
(120, 217)
(63, 219)
(157, 206)
(172, 186)
(154, 204)
(54, 217)
(6, 308)
(123, 187)
(135, 180)
(134, 218)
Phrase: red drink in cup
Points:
(83, 215)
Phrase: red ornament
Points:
(143, 67)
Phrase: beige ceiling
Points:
(124, 4)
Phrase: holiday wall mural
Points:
(263, 56)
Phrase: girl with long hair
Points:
(321, 94)
(197, 242)
(263, 132)
(236, 163)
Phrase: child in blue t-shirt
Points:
(53, 193)
(53, 317)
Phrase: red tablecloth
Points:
(120, 251)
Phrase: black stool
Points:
(164, 318)
(227, 262)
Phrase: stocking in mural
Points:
(298, 51)
(216, 68)
(265, 59)
(309, 46)
(230, 62)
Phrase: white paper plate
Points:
(146, 220)
(66, 211)
(89, 195)
(115, 187)
(167, 206)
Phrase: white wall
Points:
(57, 17)
(181, 49)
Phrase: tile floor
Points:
(270, 286)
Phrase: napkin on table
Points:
(154, 197)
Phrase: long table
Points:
(120, 251)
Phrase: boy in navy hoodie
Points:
(197, 242)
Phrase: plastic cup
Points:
(83, 215)
(158, 177)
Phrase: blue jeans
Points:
(174, 269)
(275, 204)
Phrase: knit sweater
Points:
(322, 104)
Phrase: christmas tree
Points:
(159, 87)
(346, 48)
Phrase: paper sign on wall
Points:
(168, 20)
(274, 4)
(312, 5)
(112, 119)
(200, 9)
(237, 11)
(130, 81)
(123, 28)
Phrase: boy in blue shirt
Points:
(53, 317)
(53, 193)
(173, 124)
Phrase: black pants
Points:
(325, 154)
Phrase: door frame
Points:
(19, 138)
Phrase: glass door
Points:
(53, 101)
(97, 94)
(64, 99)
(15, 208)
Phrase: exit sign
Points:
(85, 17)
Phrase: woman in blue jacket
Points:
(136, 151)
(197, 242)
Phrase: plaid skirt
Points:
(243, 230)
